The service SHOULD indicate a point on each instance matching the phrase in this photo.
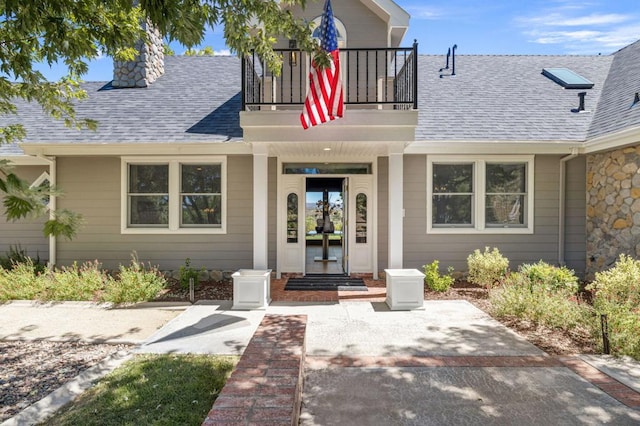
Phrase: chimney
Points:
(147, 65)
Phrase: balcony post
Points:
(243, 64)
(415, 74)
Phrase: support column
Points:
(53, 182)
(260, 206)
(396, 206)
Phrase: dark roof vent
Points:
(580, 108)
(450, 53)
(636, 100)
(567, 78)
(446, 67)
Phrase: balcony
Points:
(383, 79)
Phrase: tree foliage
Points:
(74, 32)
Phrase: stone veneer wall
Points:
(146, 67)
(613, 207)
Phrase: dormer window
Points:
(340, 28)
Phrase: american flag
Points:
(324, 98)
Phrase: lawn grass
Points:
(152, 390)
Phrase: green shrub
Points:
(618, 285)
(75, 282)
(617, 294)
(434, 280)
(17, 255)
(519, 298)
(22, 282)
(552, 278)
(487, 269)
(187, 272)
(134, 283)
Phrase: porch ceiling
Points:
(327, 151)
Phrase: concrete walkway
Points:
(448, 363)
(84, 321)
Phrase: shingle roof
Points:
(8, 150)
(197, 100)
(614, 111)
(491, 98)
(494, 98)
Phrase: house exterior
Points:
(205, 158)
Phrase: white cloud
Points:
(588, 41)
(425, 12)
(560, 20)
(578, 31)
(223, 52)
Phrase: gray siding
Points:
(25, 233)
(575, 214)
(383, 213)
(452, 250)
(93, 188)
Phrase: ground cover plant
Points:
(543, 294)
(87, 281)
(152, 389)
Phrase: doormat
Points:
(325, 282)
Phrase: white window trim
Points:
(174, 195)
(39, 181)
(479, 182)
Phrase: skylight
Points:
(567, 78)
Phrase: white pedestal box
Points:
(251, 289)
(405, 289)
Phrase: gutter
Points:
(562, 204)
(52, 207)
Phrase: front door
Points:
(307, 246)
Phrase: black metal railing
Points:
(384, 78)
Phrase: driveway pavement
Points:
(447, 364)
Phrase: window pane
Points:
(505, 210)
(149, 210)
(201, 210)
(292, 218)
(452, 210)
(452, 178)
(361, 218)
(148, 179)
(506, 178)
(197, 178)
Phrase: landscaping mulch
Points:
(203, 290)
(30, 370)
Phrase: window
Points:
(340, 29)
(452, 195)
(480, 194)
(292, 218)
(201, 194)
(361, 218)
(567, 78)
(173, 196)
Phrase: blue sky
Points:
(529, 27)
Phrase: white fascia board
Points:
(389, 11)
(111, 149)
(626, 137)
(495, 147)
(25, 160)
